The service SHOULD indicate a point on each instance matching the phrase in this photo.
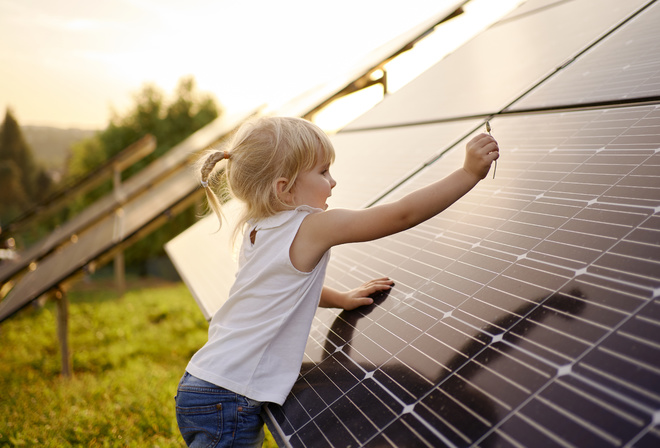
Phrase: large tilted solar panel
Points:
(168, 186)
(367, 164)
(206, 258)
(527, 314)
(500, 64)
(623, 67)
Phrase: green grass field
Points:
(129, 353)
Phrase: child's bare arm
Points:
(321, 231)
(349, 300)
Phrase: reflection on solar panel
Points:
(368, 164)
(527, 314)
(625, 66)
(356, 78)
(500, 64)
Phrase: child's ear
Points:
(281, 185)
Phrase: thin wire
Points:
(488, 128)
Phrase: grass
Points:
(129, 353)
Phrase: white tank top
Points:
(257, 338)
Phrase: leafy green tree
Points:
(170, 122)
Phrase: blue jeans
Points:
(211, 416)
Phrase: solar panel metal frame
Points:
(87, 217)
(53, 202)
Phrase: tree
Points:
(23, 181)
(170, 122)
(12, 194)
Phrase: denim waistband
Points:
(190, 383)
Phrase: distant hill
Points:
(51, 146)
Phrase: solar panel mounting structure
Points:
(161, 190)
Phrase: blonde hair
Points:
(263, 150)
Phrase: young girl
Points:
(279, 168)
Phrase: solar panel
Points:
(53, 202)
(140, 211)
(175, 159)
(528, 309)
(527, 314)
(499, 65)
(624, 67)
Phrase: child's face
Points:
(314, 187)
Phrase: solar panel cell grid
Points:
(362, 170)
(624, 66)
(511, 322)
(500, 64)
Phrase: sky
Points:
(72, 63)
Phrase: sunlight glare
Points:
(446, 38)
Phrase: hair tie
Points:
(210, 162)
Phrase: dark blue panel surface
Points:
(623, 67)
(500, 64)
(527, 311)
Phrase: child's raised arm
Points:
(321, 231)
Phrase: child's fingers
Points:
(358, 302)
(379, 281)
(482, 144)
(376, 285)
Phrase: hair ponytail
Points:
(210, 160)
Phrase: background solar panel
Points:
(141, 210)
(177, 158)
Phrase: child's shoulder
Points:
(285, 216)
